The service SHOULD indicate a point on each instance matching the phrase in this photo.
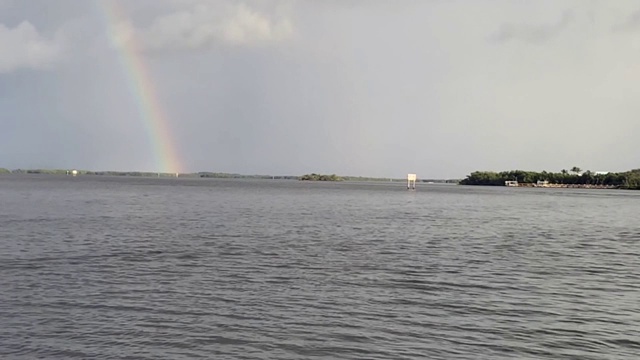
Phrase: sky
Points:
(374, 88)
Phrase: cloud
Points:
(6, 4)
(205, 24)
(24, 47)
(353, 87)
(532, 33)
(632, 23)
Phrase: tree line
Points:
(320, 177)
(628, 179)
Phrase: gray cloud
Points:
(532, 33)
(24, 47)
(631, 23)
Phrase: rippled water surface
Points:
(130, 268)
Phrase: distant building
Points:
(542, 183)
(411, 181)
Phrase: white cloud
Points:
(205, 24)
(24, 47)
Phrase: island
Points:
(320, 177)
(574, 178)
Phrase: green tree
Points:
(627, 180)
(320, 177)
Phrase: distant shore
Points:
(568, 186)
(320, 177)
(574, 178)
(217, 175)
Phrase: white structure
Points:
(74, 172)
(511, 183)
(411, 181)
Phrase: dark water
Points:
(181, 269)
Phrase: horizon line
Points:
(217, 172)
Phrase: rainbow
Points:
(143, 90)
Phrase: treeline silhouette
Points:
(627, 180)
(320, 177)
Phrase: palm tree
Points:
(576, 170)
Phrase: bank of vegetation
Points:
(320, 177)
(40, 171)
(222, 175)
(624, 180)
(215, 175)
(218, 175)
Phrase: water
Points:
(129, 268)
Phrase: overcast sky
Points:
(379, 88)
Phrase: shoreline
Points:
(211, 175)
(568, 186)
(565, 179)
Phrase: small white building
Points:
(411, 181)
(542, 183)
